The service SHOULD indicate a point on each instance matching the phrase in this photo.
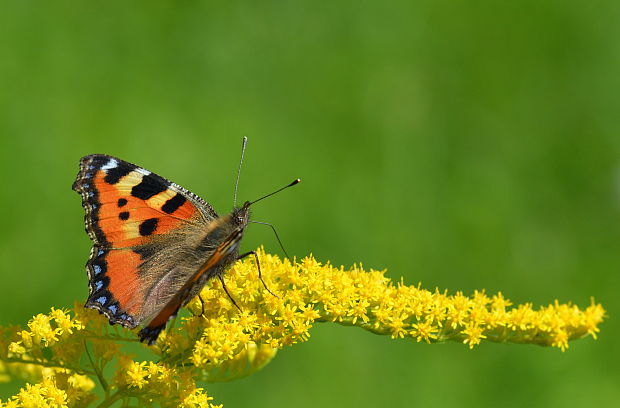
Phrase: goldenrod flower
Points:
(12, 403)
(137, 374)
(63, 353)
(424, 331)
(42, 330)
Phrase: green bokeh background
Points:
(466, 145)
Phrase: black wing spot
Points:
(149, 186)
(121, 202)
(114, 174)
(124, 215)
(148, 227)
(145, 251)
(173, 204)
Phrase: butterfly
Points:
(155, 244)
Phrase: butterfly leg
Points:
(202, 304)
(275, 232)
(228, 293)
(260, 274)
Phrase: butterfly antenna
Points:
(244, 143)
(277, 191)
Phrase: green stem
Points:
(111, 399)
(46, 364)
(109, 337)
(348, 321)
(102, 380)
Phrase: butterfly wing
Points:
(219, 259)
(145, 231)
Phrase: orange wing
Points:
(129, 212)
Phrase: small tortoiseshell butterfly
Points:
(156, 244)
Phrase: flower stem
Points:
(45, 364)
(102, 380)
(111, 399)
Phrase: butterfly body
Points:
(155, 243)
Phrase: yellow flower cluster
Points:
(58, 388)
(45, 330)
(51, 354)
(56, 384)
(62, 355)
(309, 292)
(158, 381)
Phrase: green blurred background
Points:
(466, 145)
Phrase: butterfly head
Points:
(241, 215)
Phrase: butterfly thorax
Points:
(219, 248)
(224, 227)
